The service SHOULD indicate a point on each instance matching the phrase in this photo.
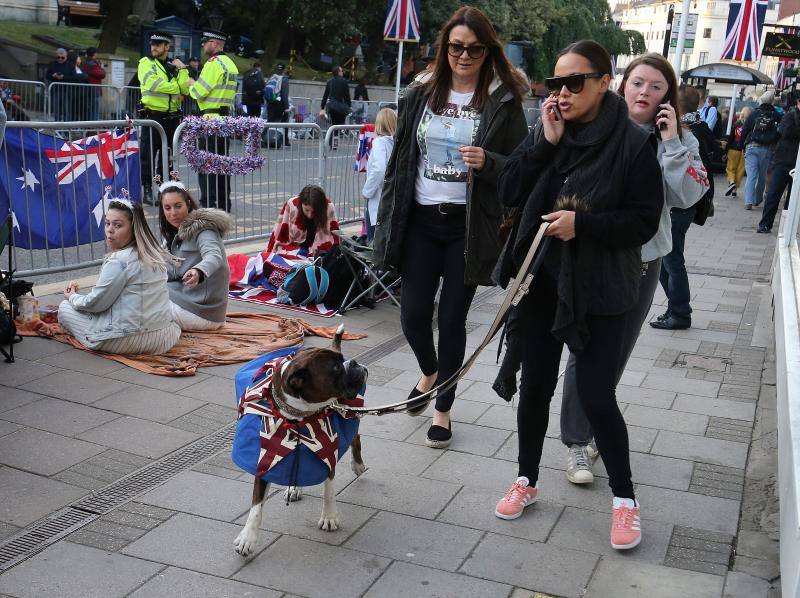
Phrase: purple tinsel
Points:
(249, 129)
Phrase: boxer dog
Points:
(312, 380)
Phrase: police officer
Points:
(215, 91)
(161, 83)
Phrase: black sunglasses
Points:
(474, 51)
(574, 83)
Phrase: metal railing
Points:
(82, 102)
(56, 198)
(342, 183)
(23, 100)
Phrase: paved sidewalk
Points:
(700, 407)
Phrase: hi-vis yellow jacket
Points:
(159, 92)
(216, 86)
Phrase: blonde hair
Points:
(386, 122)
(148, 248)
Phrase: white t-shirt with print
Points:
(441, 173)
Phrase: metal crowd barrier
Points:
(82, 102)
(256, 199)
(23, 100)
(341, 181)
(74, 148)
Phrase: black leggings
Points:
(433, 248)
(596, 370)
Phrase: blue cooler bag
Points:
(257, 426)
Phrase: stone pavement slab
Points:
(78, 387)
(138, 436)
(402, 580)
(70, 570)
(201, 494)
(58, 416)
(148, 403)
(180, 583)
(628, 579)
(42, 452)
(25, 497)
(311, 569)
(195, 543)
(698, 448)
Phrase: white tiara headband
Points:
(174, 181)
(124, 200)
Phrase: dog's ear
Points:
(297, 381)
(336, 345)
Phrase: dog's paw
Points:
(245, 542)
(293, 493)
(329, 523)
(358, 468)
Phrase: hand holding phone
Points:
(552, 120)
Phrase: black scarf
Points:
(588, 157)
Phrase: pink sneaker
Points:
(626, 527)
(519, 496)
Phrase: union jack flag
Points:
(743, 34)
(402, 22)
(100, 152)
(365, 137)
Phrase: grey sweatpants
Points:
(575, 428)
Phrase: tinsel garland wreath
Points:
(249, 129)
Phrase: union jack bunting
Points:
(402, 21)
(743, 33)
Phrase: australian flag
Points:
(743, 34)
(55, 188)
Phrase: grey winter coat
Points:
(501, 129)
(199, 244)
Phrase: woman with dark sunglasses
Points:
(440, 215)
(592, 174)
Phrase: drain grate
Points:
(82, 512)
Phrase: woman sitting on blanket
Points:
(198, 285)
(128, 310)
(307, 222)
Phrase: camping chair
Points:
(377, 282)
(6, 242)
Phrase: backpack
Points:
(704, 208)
(272, 90)
(342, 274)
(304, 285)
(252, 86)
(765, 128)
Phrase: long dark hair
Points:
(314, 196)
(167, 230)
(662, 65)
(495, 63)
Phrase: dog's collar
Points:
(285, 407)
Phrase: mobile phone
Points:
(557, 112)
(662, 126)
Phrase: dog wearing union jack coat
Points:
(288, 431)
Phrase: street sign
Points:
(691, 30)
(784, 45)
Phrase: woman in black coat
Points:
(439, 215)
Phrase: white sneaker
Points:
(579, 464)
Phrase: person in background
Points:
(307, 221)
(760, 133)
(784, 159)
(776, 102)
(361, 94)
(194, 67)
(198, 284)
(215, 92)
(96, 74)
(651, 90)
(190, 106)
(440, 214)
(253, 91)
(382, 146)
(278, 107)
(335, 101)
(128, 310)
(77, 95)
(710, 112)
(735, 147)
(58, 71)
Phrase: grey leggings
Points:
(575, 428)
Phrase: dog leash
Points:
(517, 289)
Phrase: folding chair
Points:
(377, 281)
(6, 242)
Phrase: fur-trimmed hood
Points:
(204, 219)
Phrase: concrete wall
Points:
(29, 11)
(786, 292)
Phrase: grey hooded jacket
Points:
(199, 244)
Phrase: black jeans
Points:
(150, 150)
(779, 181)
(433, 248)
(595, 374)
(215, 189)
(673, 277)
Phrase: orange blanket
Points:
(245, 336)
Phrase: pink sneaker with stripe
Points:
(626, 526)
(519, 496)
